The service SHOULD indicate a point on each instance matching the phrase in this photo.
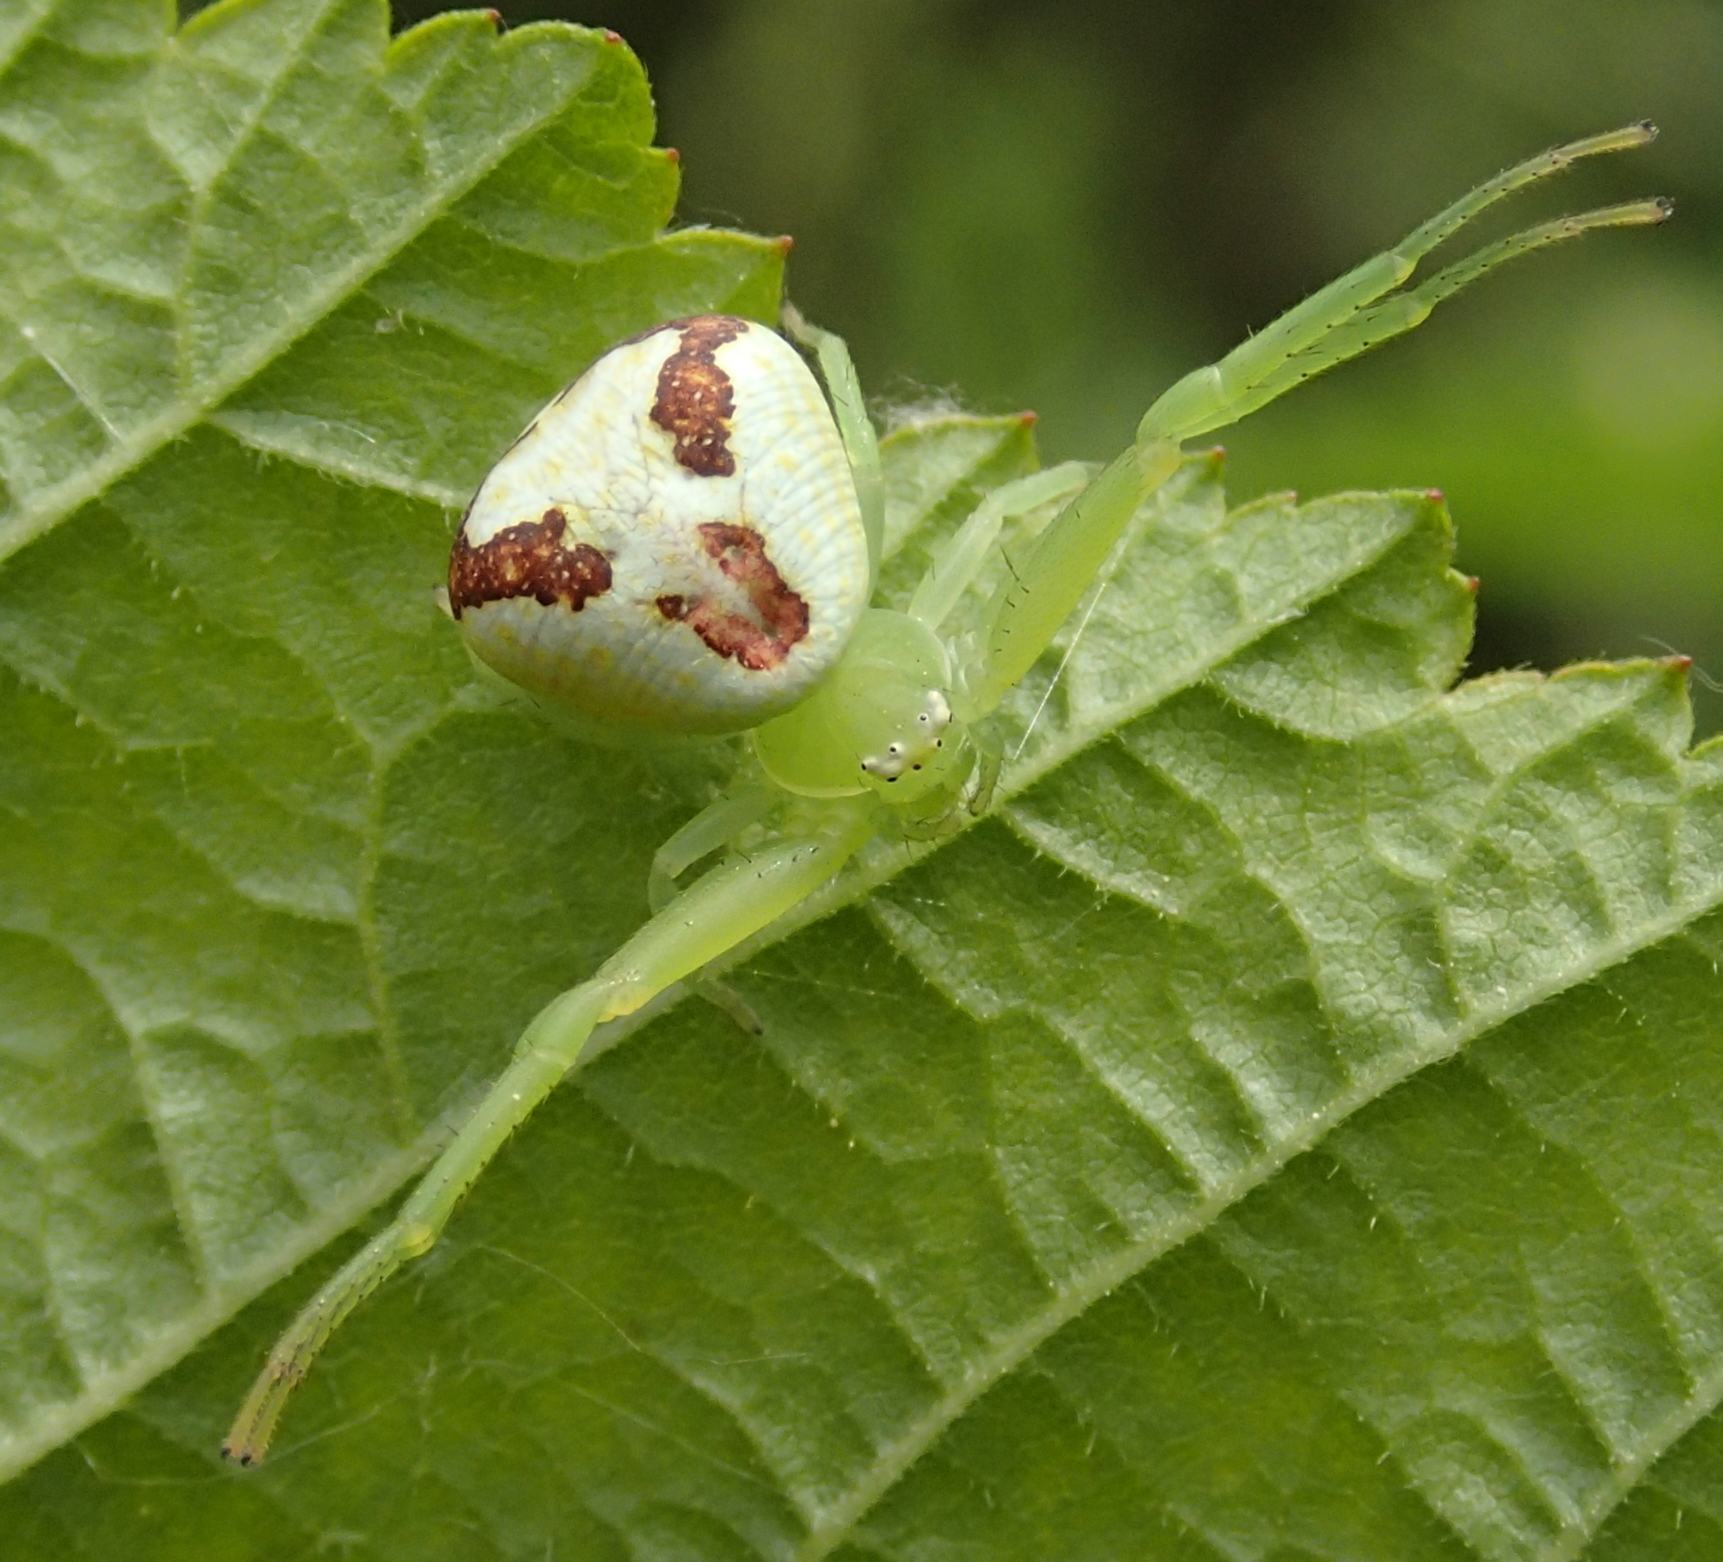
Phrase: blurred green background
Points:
(1063, 206)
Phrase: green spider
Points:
(686, 541)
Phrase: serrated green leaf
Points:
(1291, 1125)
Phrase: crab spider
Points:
(686, 540)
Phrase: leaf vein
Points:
(61, 499)
(1015, 1346)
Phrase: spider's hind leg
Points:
(861, 443)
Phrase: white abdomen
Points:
(675, 542)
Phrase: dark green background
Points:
(1062, 206)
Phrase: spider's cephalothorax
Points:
(880, 723)
(685, 540)
(675, 543)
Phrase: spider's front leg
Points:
(718, 825)
(1366, 306)
(727, 905)
(966, 551)
(1049, 578)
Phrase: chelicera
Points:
(687, 540)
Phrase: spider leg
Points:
(1401, 312)
(838, 370)
(1343, 319)
(1362, 308)
(716, 826)
(989, 764)
(1050, 576)
(960, 559)
(713, 915)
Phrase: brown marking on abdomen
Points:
(528, 560)
(782, 616)
(695, 399)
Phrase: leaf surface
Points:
(1289, 1126)
(355, 269)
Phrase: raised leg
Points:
(717, 912)
(954, 568)
(1338, 322)
(839, 372)
(1400, 312)
(1049, 577)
